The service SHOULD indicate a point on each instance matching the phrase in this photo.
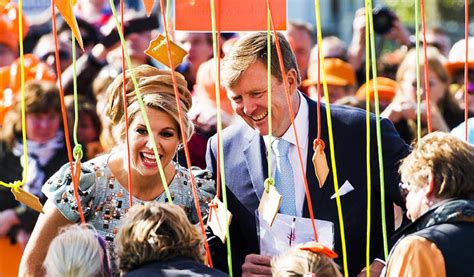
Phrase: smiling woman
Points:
(103, 187)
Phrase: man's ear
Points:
(292, 79)
(429, 189)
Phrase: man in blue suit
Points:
(245, 77)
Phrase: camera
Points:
(383, 19)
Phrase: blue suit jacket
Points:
(246, 169)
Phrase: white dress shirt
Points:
(302, 126)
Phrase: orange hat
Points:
(338, 73)
(9, 25)
(457, 56)
(205, 86)
(387, 88)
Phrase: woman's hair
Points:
(77, 251)
(297, 262)
(448, 158)
(156, 232)
(156, 89)
(40, 97)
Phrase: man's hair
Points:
(303, 26)
(450, 159)
(251, 48)
(156, 232)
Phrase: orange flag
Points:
(65, 8)
(148, 6)
(242, 15)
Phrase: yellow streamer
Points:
(331, 140)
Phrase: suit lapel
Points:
(315, 192)
(256, 163)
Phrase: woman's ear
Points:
(429, 189)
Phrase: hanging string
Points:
(292, 119)
(368, 140)
(269, 98)
(418, 75)
(378, 129)
(141, 104)
(220, 166)
(125, 108)
(64, 115)
(16, 184)
(466, 70)
(331, 141)
(427, 83)
(184, 137)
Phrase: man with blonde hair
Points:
(439, 187)
(244, 74)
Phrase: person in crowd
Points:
(9, 25)
(44, 50)
(386, 89)
(244, 74)
(77, 251)
(199, 48)
(300, 35)
(439, 186)
(89, 126)
(204, 113)
(445, 113)
(310, 259)
(437, 37)
(340, 79)
(104, 182)
(455, 66)
(95, 12)
(388, 63)
(156, 239)
(46, 154)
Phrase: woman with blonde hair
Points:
(309, 259)
(77, 252)
(156, 239)
(103, 185)
(445, 113)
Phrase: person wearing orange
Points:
(340, 78)
(439, 186)
(386, 89)
(9, 37)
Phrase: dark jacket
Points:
(449, 225)
(174, 267)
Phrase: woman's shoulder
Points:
(201, 176)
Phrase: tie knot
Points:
(281, 147)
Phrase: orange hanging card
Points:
(3, 3)
(320, 163)
(242, 15)
(158, 51)
(148, 6)
(65, 8)
(28, 199)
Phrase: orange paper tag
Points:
(158, 51)
(242, 15)
(28, 199)
(148, 6)
(3, 3)
(270, 203)
(320, 164)
(217, 220)
(65, 8)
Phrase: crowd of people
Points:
(132, 230)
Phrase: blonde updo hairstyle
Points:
(156, 88)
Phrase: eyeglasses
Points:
(404, 189)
